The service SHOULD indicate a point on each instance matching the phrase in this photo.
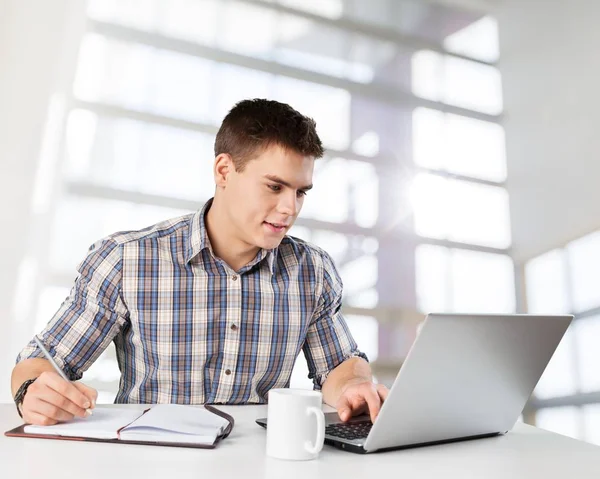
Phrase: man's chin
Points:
(269, 243)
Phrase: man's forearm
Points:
(28, 369)
(350, 371)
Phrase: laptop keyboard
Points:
(352, 430)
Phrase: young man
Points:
(212, 307)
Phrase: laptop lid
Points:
(466, 375)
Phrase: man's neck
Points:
(223, 240)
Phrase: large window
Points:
(566, 280)
(409, 199)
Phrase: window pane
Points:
(478, 40)
(358, 275)
(335, 244)
(458, 144)
(80, 222)
(546, 278)
(191, 20)
(247, 29)
(365, 331)
(591, 421)
(460, 211)
(587, 337)
(457, 82)
(482, 282)
(559, 377)
(562, 420)
(349, 188)
(427, 20)
(463, 281)
(305, 44)
(584, 265)
(137, 156)
(432, 264)
(142, 78)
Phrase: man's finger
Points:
(89, 392)
(49, 395)
(51, 411)
(38, 419)
(373, 401)
(383, 391)
(344, 409)
(65, 388)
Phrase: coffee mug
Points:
(295, 424)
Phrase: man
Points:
(212, 307)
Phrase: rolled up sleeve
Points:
(90, 317)
(328, 341)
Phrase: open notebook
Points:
(161, 424)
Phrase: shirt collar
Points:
(198, 241)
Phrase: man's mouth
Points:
(276, 227)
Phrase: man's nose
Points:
(288, 204)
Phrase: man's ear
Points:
(223, 167)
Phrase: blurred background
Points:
(460, 173)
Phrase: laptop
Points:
(466, 376)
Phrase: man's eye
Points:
(275, 187)
(301, 193)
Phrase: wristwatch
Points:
(20, 396)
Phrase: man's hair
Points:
(251, 126)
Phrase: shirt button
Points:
(234, 277)
(228, 372)
(234, 327)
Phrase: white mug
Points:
(295, 424)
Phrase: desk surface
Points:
(525, 452)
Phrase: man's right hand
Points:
(50, 400)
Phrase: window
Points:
(563, 420)
(565, 280)
(154, 80)
(547, 288)
(453, 280)
(459, 145)
(456, 81)
(584, 262)
(460, 211)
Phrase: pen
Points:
(54, 365)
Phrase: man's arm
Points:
(82, 328)
(350, 389)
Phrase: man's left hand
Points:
(359, 397)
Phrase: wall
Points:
(551, 71)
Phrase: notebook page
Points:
(102, 424)
(176, 423)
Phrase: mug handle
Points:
(314, 449)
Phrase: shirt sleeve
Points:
(328, 340)
(90, 317)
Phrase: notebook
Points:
(161, 424)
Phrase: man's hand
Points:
(361, 396)
(50, 399)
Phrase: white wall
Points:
(550, 65)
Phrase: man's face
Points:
(264, 199)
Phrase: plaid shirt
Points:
(190, 330)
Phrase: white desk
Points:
(525, 452)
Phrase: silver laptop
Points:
(466, 376)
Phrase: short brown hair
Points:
(253, 125)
